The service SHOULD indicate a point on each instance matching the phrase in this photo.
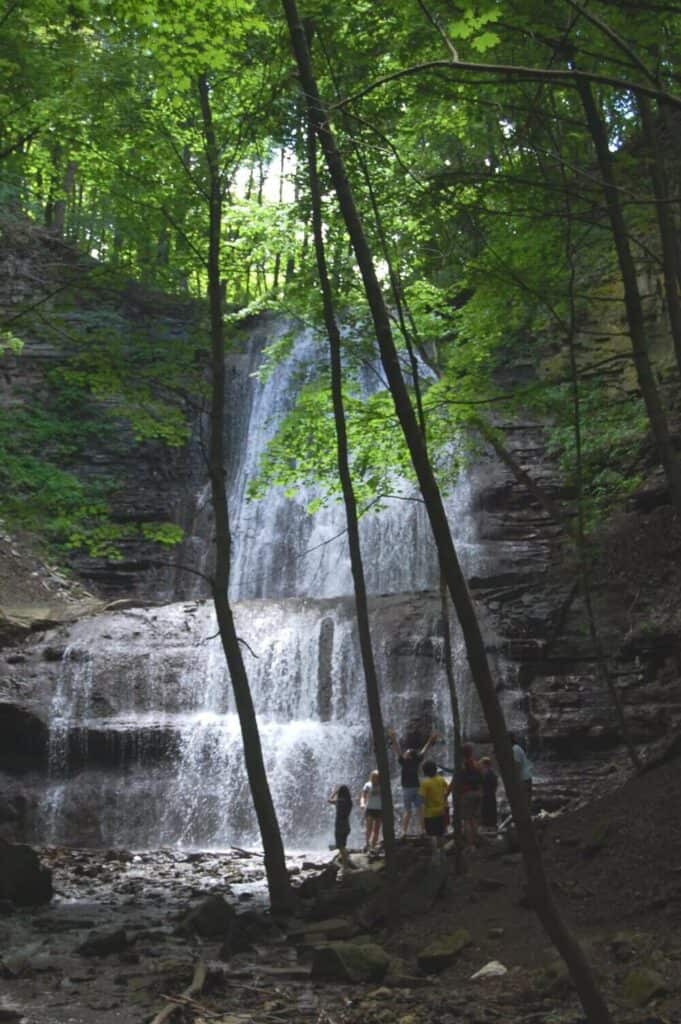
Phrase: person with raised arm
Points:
(409, 761)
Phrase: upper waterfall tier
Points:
(279, 549)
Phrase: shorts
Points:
(371, 813)
(470, 805)
(435, 826)
(412, 799)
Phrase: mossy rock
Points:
(443, 951)
(643, 984)
(554, 979)
(348, 961)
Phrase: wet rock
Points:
(105, 943)
(123, 856)
(643, 984)
(441, 953)
(348, 961)
(212, 917)
(315, 884)
(331, 928)
(26, 959)
(23, 880)
(243, 931)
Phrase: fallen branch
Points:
(198, 981)
(192, 1004)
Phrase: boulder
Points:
(643, 984)
(441, 953)
(243, 930)
(348, 961)
(211, 918)
(22, 878)
(422, 886)
(104, 943)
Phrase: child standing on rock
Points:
(343, 801)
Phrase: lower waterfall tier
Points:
(126, 731)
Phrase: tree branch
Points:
(565, 75)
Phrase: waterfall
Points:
(145, 747)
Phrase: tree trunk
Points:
(281, 895)
(456, 718)
(665, 224)
(632, 300)
(361, 603)
(540, 893)
(58, 222)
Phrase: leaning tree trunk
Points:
(632, 300)
(541, 895)
(281, 894)
(361, 603)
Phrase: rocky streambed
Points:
(155, 936)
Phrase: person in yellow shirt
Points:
(434, 791)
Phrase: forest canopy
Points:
(514, 168)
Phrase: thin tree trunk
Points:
(277, 258)
(670, 268)
(541, 895)
(632, 300)
(580, 532)
(356, 562)
(456, 718)
(58, 222)
(281, 895)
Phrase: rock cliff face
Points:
(532, 597)
(53, 298)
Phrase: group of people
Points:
(426, 797)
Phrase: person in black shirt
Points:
(343, 801)
(409, 761)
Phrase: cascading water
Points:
(145, 747)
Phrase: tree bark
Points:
(281, 894)
(667, 230)
(361, 603)
(632, 300)
(540, 893)
(456, 718)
